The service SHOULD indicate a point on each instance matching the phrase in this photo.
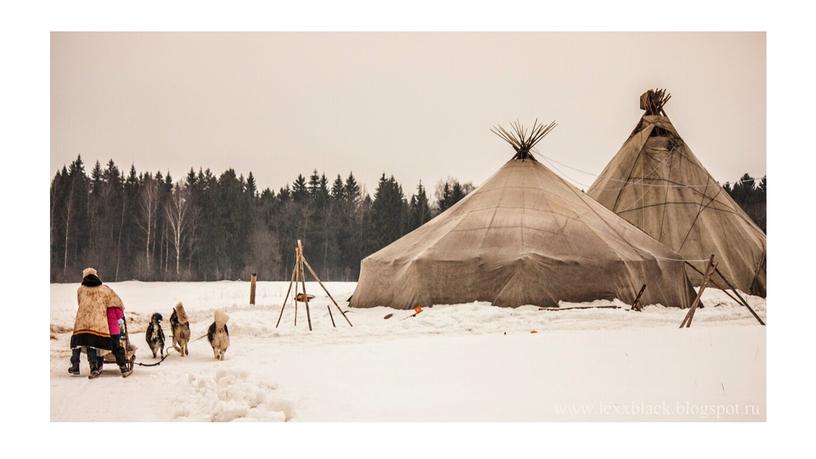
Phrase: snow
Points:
(467, 362)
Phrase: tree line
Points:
(206, 227)
(751, 195)
(146, 226)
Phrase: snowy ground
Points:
(471, 362)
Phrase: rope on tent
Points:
(624, 239)
(697, 217)
(703, 195)
(613, 179)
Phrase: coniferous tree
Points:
(76, 218)
(208, 227)
(352, 241)
(751, 196)
(58, 205)
(419, 209)
(387, 212)
(449, 192)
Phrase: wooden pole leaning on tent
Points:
(252, 278)
(636, 306)
(744, 303)
(738, 300)
(712, 265)
(714, 281)
(283, 305)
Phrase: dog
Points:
(218, 335)
(155, 335)
(180, 326)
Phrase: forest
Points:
(204, 227)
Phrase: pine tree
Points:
(59, 191)
(251, 186)
(337, 190)
(387, 212)
(449, 192)
(751, 196)
(76, 218)
(419, 209)
(299, 189)
(443, 199)
(231, 230)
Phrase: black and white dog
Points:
(155, 335)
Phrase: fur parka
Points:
(91, 323)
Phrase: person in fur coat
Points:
(91, 329)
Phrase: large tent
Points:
(525, 236)
(656, 183)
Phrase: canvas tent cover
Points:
(656, 183)
(523, 237)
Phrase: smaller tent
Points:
(656, 183)
(525, 236)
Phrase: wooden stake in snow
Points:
(636, 306)
(252, 278)
(299, 279)
(712, 265)
(303, 282)
(287, 295)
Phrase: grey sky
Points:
(418, 106)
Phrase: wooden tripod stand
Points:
(299, 275)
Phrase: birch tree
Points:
(180, 217)
(148, 203)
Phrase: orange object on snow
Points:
(418, 309)
(303, 298)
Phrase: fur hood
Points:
(221, 318)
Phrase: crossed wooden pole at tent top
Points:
(299, 275)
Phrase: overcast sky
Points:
(416, 105)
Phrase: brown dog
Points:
(180, 326)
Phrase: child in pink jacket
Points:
(115, 315)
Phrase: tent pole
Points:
(714, 281)
(744, 303)
(314, 274)
(303, 281)
(690, 314)
(297, 273)
(636, 306)
(328, 308)
(286, 297)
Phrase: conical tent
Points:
(656, 183)
(523, 237)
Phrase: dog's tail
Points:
(182, 315)
(221, 318)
